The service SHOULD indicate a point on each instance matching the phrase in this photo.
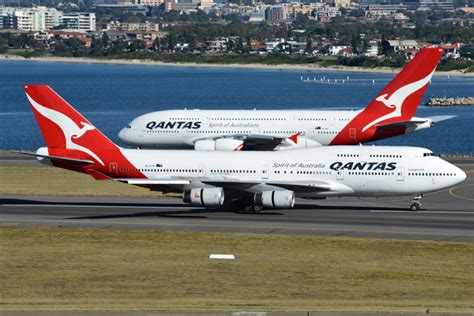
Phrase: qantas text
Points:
(173, 125)
(387, 166)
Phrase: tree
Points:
(105, 40)
(3, 45)
(240, 45)
(157, 44)
(171, 42)
(249, 44)
(309, 45)
(355, 43)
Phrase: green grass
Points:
(87, 269)
(51, 181)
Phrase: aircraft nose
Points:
(124, 135)
(460, 174)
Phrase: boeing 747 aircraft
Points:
(256, 180)
(389, 114)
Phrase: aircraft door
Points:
(352, 133)
(400, 174)
(202, 170)
(113, 169)
(265, 172)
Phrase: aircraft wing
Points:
(260, 142)
(177, 185)
(259, 186)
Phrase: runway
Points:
(447, 215)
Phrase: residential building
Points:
(206, 3)
(372, 49)
(151, 3)
(275, 14)
(143, 27)
(337, 49)
(30, 19)
(429, 4)
(168, 4)
(79, 21)
(402, 45)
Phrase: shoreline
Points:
(148, 62)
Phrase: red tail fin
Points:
(398, 101)
(63, 127)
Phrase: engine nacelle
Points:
(204, 196)
(205, 145)
(303, 142)
(275, 199)
(220, 144)
(229, 144)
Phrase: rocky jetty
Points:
(450, 101)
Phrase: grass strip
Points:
(49, 181)
(112, 270)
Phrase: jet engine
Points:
(303, 142)
(275, 199)
(204, 196)
(220, 144)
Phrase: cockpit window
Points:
(129, 126)
(427, 154)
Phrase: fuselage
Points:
(350, 170)
(183, 128)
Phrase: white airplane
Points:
(256, 180)
(390, 114)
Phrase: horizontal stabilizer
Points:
(80, 162)
(440, 118)
(411, 123)
(98, 175)
(152, 181)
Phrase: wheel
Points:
(415, 206)
(247, 208)
(257, 208)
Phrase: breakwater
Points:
(460, 101)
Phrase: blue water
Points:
(112, 95)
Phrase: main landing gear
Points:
(247, 206)
(416, 203)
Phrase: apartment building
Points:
(79, 21)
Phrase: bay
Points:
(111, 95)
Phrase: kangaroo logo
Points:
(395, 101)
(69, 128)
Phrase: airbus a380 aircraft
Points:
(389, 114)
(256, 179)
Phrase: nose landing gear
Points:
(416, 203)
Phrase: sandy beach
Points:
(148, 62)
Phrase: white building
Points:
(153, 3)
(206, 3)
(34, 19)
(372, 49)
(336, 49)
(79, 21)
(44, 19)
